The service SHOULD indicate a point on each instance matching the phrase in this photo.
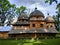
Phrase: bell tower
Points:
(50, 21)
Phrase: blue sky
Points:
(40, 4)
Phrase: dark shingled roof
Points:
(23, 16)
(49, 19)
(21, 23)
(34, 30)
(36, 13)
(17, 31)
(39, 19)
(52, 30)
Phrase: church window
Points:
(41, 25)
(37, 17)
(51, 26)
(33, 25)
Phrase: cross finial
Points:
(35, 8)
(48, 14)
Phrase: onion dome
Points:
(36, 13)
(49, 19)
(23, 16)
(22, 20)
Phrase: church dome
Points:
(23, 16)
(36, 13)
(49, 19)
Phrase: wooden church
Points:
(34, 26)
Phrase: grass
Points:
(31, 42)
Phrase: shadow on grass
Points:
(31, 42)
(39, 44)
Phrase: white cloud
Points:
(40, 4)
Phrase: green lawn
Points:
(31, 42)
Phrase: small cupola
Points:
(36, 13)
(49, 18)
(23, 16)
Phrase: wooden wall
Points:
(31, 35)
(4, 35)
(20, 27)
(37, 24)
(50, 25)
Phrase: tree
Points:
(55, 21)
(21, 9)
(58, 12)
(6, 11)
(11, 14)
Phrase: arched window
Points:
(41, 25)
(33, 25)
(51, 26)
(37, 17)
